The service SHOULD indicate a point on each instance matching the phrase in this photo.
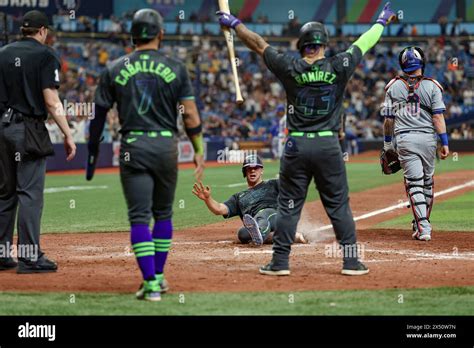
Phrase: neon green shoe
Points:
(163, 283)
(150, 290)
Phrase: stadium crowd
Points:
(207, 60)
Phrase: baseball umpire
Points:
(29, 79)
(315, 88)
(413, 111)
(256, 206)
(147, 87)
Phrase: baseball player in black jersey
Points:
(148, 88)
(29, 82)
(256, 206)
(315, 88)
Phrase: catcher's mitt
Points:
(389, 162)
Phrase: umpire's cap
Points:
(146, 24)
(411, 58)
(312, 33)
(251, 161)
(35, 19)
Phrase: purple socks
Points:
(162, 235)
(144, 250)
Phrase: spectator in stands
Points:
(455, 134)
(402, 30)
(209, 67)
(443, 24)
(454, 27)
(455, 110)
(245, 129)
(103, 57)
(466, 131)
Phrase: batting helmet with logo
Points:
(146, 25)
(312, 33)
(250, 162)
(412, 58)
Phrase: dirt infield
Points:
(208, 259)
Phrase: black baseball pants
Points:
(21, 193)
(307, 156)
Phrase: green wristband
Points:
(198, 144)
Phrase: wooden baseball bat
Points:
(224, 7)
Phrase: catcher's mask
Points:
(412, 58)
(251, 161)
(312, 33)
(146, 25)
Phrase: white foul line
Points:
(74, 188)
(401, 205)
(364, 216)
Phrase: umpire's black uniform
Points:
(27, 67)
(315, 93)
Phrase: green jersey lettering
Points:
(130, 69)
(144, 66)
(315, 76)
(125, 74)
(119, 80)
(158, 68)
(312, 76)
(170, 77)
(138, 68)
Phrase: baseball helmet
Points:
(251, 161)
(312, 33)
(146, 24)
(411, 58)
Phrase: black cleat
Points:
(357, 270)
(270, 270)
(7, 264)
(43, 265)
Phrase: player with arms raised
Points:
(315, 88)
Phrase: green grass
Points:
(456, 214)
(434, 301)
(102, 210)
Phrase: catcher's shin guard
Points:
(428, 190)
(415, 192)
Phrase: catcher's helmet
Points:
(251, 161)
(411, 58)
(312, 33)
(146, 24)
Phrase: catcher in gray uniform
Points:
(256, 206)
(413, 111)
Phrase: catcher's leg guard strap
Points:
(415, 192)
(428, 190)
